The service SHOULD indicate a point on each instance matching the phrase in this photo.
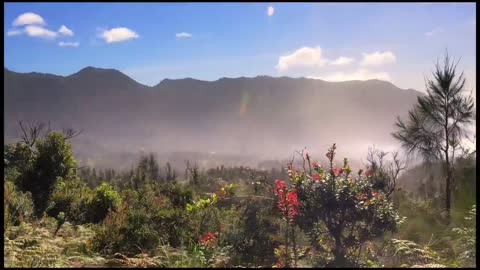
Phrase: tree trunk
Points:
(339, 254)
(294, 246)
(448, 192)
(287, 256)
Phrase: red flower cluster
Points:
(314, 164)
(316, 176)
(337, 171)
(280, 263)
(208, 238)
(287, 200)
(374, 193)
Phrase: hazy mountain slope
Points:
(264, 116)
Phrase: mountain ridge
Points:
(92, 69)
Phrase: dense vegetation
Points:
(305, 214)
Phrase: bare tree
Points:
(70, 132)
(395, 167)
(437, 123)
(31, 132)
(384, 173)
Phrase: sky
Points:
(397, 42)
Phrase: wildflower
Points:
(208, 238)
(374, 193)
(314, 164)
(280, 263)
(287, 200)
(337, 171)
(280, 183)
(316, 177)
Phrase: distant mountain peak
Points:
(95, 70)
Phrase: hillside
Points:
(241, 116)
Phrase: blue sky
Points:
(399, 42)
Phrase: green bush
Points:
(178, 194)
(73, 198)
(349, 211)
(466, 241)
(18, 206)
(105, 199)
(254, 234)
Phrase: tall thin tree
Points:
(438, 122)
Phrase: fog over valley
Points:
(241, 121)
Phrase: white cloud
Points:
(38, 31)
(183, 35)
(118, 34)
(378, 58)
(306, 56)
(28, 18)
(342, 61)
(65, 31)
(14, 32)
(434, 32)
(270, 11)
(361, 74)
(68, 44)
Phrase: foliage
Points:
(466, 240)
(437, 124)
(179, 195)
(18, 206)
(53, 159)
(251, 221)
(348, 210)
(254, 233)
(287, 203)
(69, 201)
(105, 200)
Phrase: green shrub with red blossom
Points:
(338, 211)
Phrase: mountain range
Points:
(263, 117)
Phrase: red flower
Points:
(374, 193)
(280, 183)
(337, 171)
(287, 200)
(316, 177)
(208, 238)
(314, 164)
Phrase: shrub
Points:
(106, 199)
(174, 225)
(18, 206)
(37, 169)
(254, 235)
(178, 194)
(348, 211)
(72, 197)
(466, 240)
(138, 225)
